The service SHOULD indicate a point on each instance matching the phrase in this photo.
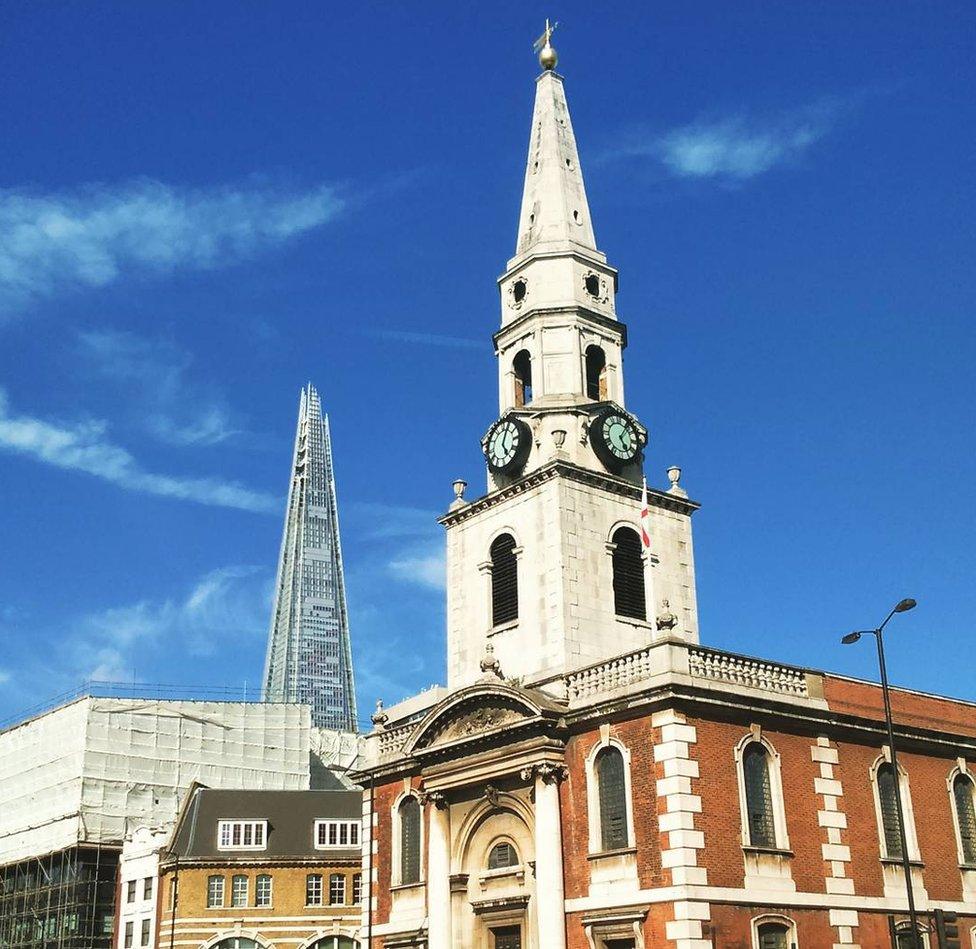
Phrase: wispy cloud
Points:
(427, 339)
(156, 377)
(736, 147)
(222, 607)
(85, 447)
(92, 236)
(426, 568)
(4, 676)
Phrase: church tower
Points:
(547, 571)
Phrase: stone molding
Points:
(559, 468)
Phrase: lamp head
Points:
(905, 605)
(851, 638)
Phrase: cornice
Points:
(177, 862)
(575, 252)
(570, 310)
(564, 469)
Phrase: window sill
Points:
(605, 854)
(897, 862)
(633, 621)
(398, 887)
(502, 873)
(503, 627)
(774, 851)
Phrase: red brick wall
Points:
(933, 820)
(654, 928)
(639, 738)
(384, 796)
(925, 711)
(720, 818)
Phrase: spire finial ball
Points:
(548, 57)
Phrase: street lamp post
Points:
(901, 607)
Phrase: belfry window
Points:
(504, 580)
(628, 575)
(522, 368)
(887, 797)
(759, 796)
(962, 796)
(596, 374)
(409, 814)
(612, 789)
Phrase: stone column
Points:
(549, 894)
(439, 873)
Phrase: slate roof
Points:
(291, 817)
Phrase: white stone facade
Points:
(139, 888)
(562, 524)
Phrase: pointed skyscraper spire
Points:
(309, 654)
(554, 207)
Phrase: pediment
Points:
(474, 713)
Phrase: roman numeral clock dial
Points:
(617, 438)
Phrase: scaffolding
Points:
(93, 770)
(64, 900)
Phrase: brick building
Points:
(263, 869)
(593, 777)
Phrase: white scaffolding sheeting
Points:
(94, 770)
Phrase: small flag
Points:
(645, 519)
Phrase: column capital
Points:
(549, 773)
(437, 798)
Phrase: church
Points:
(593, 776)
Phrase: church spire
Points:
(554, 208)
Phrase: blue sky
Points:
(202, 206)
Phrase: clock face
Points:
(507, 444)
(617, 440)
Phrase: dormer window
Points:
(242, 834)
(336, 833)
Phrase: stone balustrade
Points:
(702, 663)
(752, 673)
(612, 674)
(392, 740)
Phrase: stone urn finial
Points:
(489, 664)
(666, 619)
(380, 718)
(674, 476)
(459, 485)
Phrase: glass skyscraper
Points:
(309, 654)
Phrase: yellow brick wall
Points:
(196, 924)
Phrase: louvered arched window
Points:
(502, 855)
(409, 814)
(962, 795)
(759, 795)
(612, 789)
(888, 799)
(504, 580)
(628, 574)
